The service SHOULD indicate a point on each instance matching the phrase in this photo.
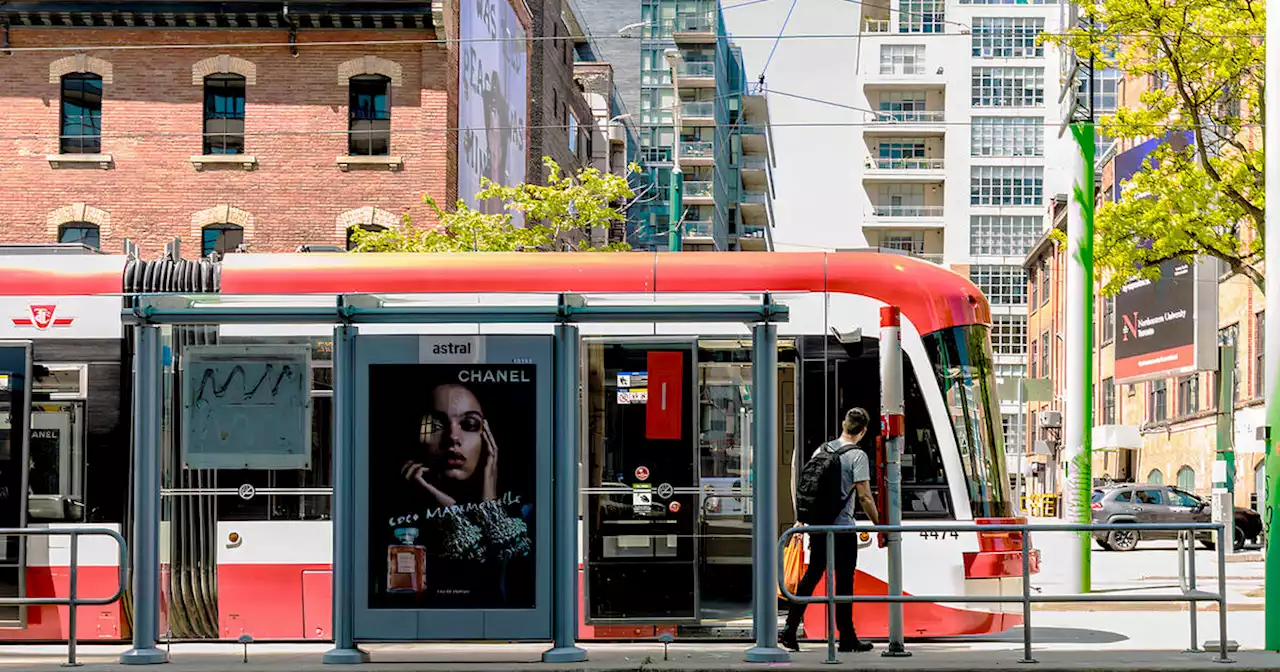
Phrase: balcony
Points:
(756, 207)
(696, 74)
(907, 122)
(698, 193)
(905, 217)
(755, 175)
(698, 231)
(698, 114)
(696, 29)
(916, 76)
(700, 153)
(754, 237)
(929, 170)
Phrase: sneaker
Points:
(788, 640)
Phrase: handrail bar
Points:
(73, 600)
(1189, 593)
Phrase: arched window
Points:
(221, 238)
(224, 114)
(1155, 477)
(366, 227)
(1187, 479)
(83, 233)
(81, 129)
(369, 110)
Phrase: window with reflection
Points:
(369, 107)
(81, 114)
(80, 233)
(224, 114)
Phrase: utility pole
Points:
(675, 241)
(894, 429)
(1078, 484)
(1272, 344)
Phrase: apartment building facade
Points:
(698, 121)
(960, 150)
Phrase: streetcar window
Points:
(962, 363)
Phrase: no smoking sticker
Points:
(642, 473)
(674, 507)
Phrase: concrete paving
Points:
(608, 657)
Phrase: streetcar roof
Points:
(931, 296)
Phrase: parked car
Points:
(1146, 503)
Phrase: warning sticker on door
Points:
(642, 498)
(635, 395)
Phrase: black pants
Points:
(846, 564)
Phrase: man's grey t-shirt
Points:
(854, 468)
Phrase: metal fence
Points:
(72, 600)
(1189, 592)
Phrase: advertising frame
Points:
(1146, 306)
(452, 623)
(493, 99)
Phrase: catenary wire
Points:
(301, 45)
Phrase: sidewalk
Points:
(954, 657)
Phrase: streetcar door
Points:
(15, 409)
(55, 486)
(641, 501)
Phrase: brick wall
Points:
(296, 121)
(553, 93)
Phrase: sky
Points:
(814, 164)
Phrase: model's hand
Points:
(416, 472)
(490, 465)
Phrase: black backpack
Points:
(819, 491)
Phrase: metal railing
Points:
(698, 69)
(906, 210)
(72, 600)
(1189, 593)
(698, 189)
(698, 149)
(903, 163)
(698, 109)
(909, 116)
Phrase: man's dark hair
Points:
(855, 420)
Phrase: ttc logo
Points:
(42, 318)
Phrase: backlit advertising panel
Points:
(454, 454)
(1158, 330)
(493, 94)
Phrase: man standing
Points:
(825, 496)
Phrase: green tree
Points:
(1203, 60)
(560, 216)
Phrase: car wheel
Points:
(1104, 545)
(1123, 540)
(1238, 541)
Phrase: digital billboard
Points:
(1158, 330)
(493, 96)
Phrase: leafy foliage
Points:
(560, 216)
(1203, 61)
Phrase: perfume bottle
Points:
(406, 563)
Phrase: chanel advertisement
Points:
(452, 486)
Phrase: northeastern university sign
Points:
(1159, 331)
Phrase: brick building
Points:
(1152, 431)
(560, 119)
(288, 142)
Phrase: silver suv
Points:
(1145, 503)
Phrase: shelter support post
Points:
(764, 491)
(344, 651)
(148, 371)
(891, 408)
(565, 495)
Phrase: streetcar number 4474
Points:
(940, 535)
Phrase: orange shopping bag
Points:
(792, 563)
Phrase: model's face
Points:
(453, 433)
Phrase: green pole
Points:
(675, 241)
(1080, 281)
